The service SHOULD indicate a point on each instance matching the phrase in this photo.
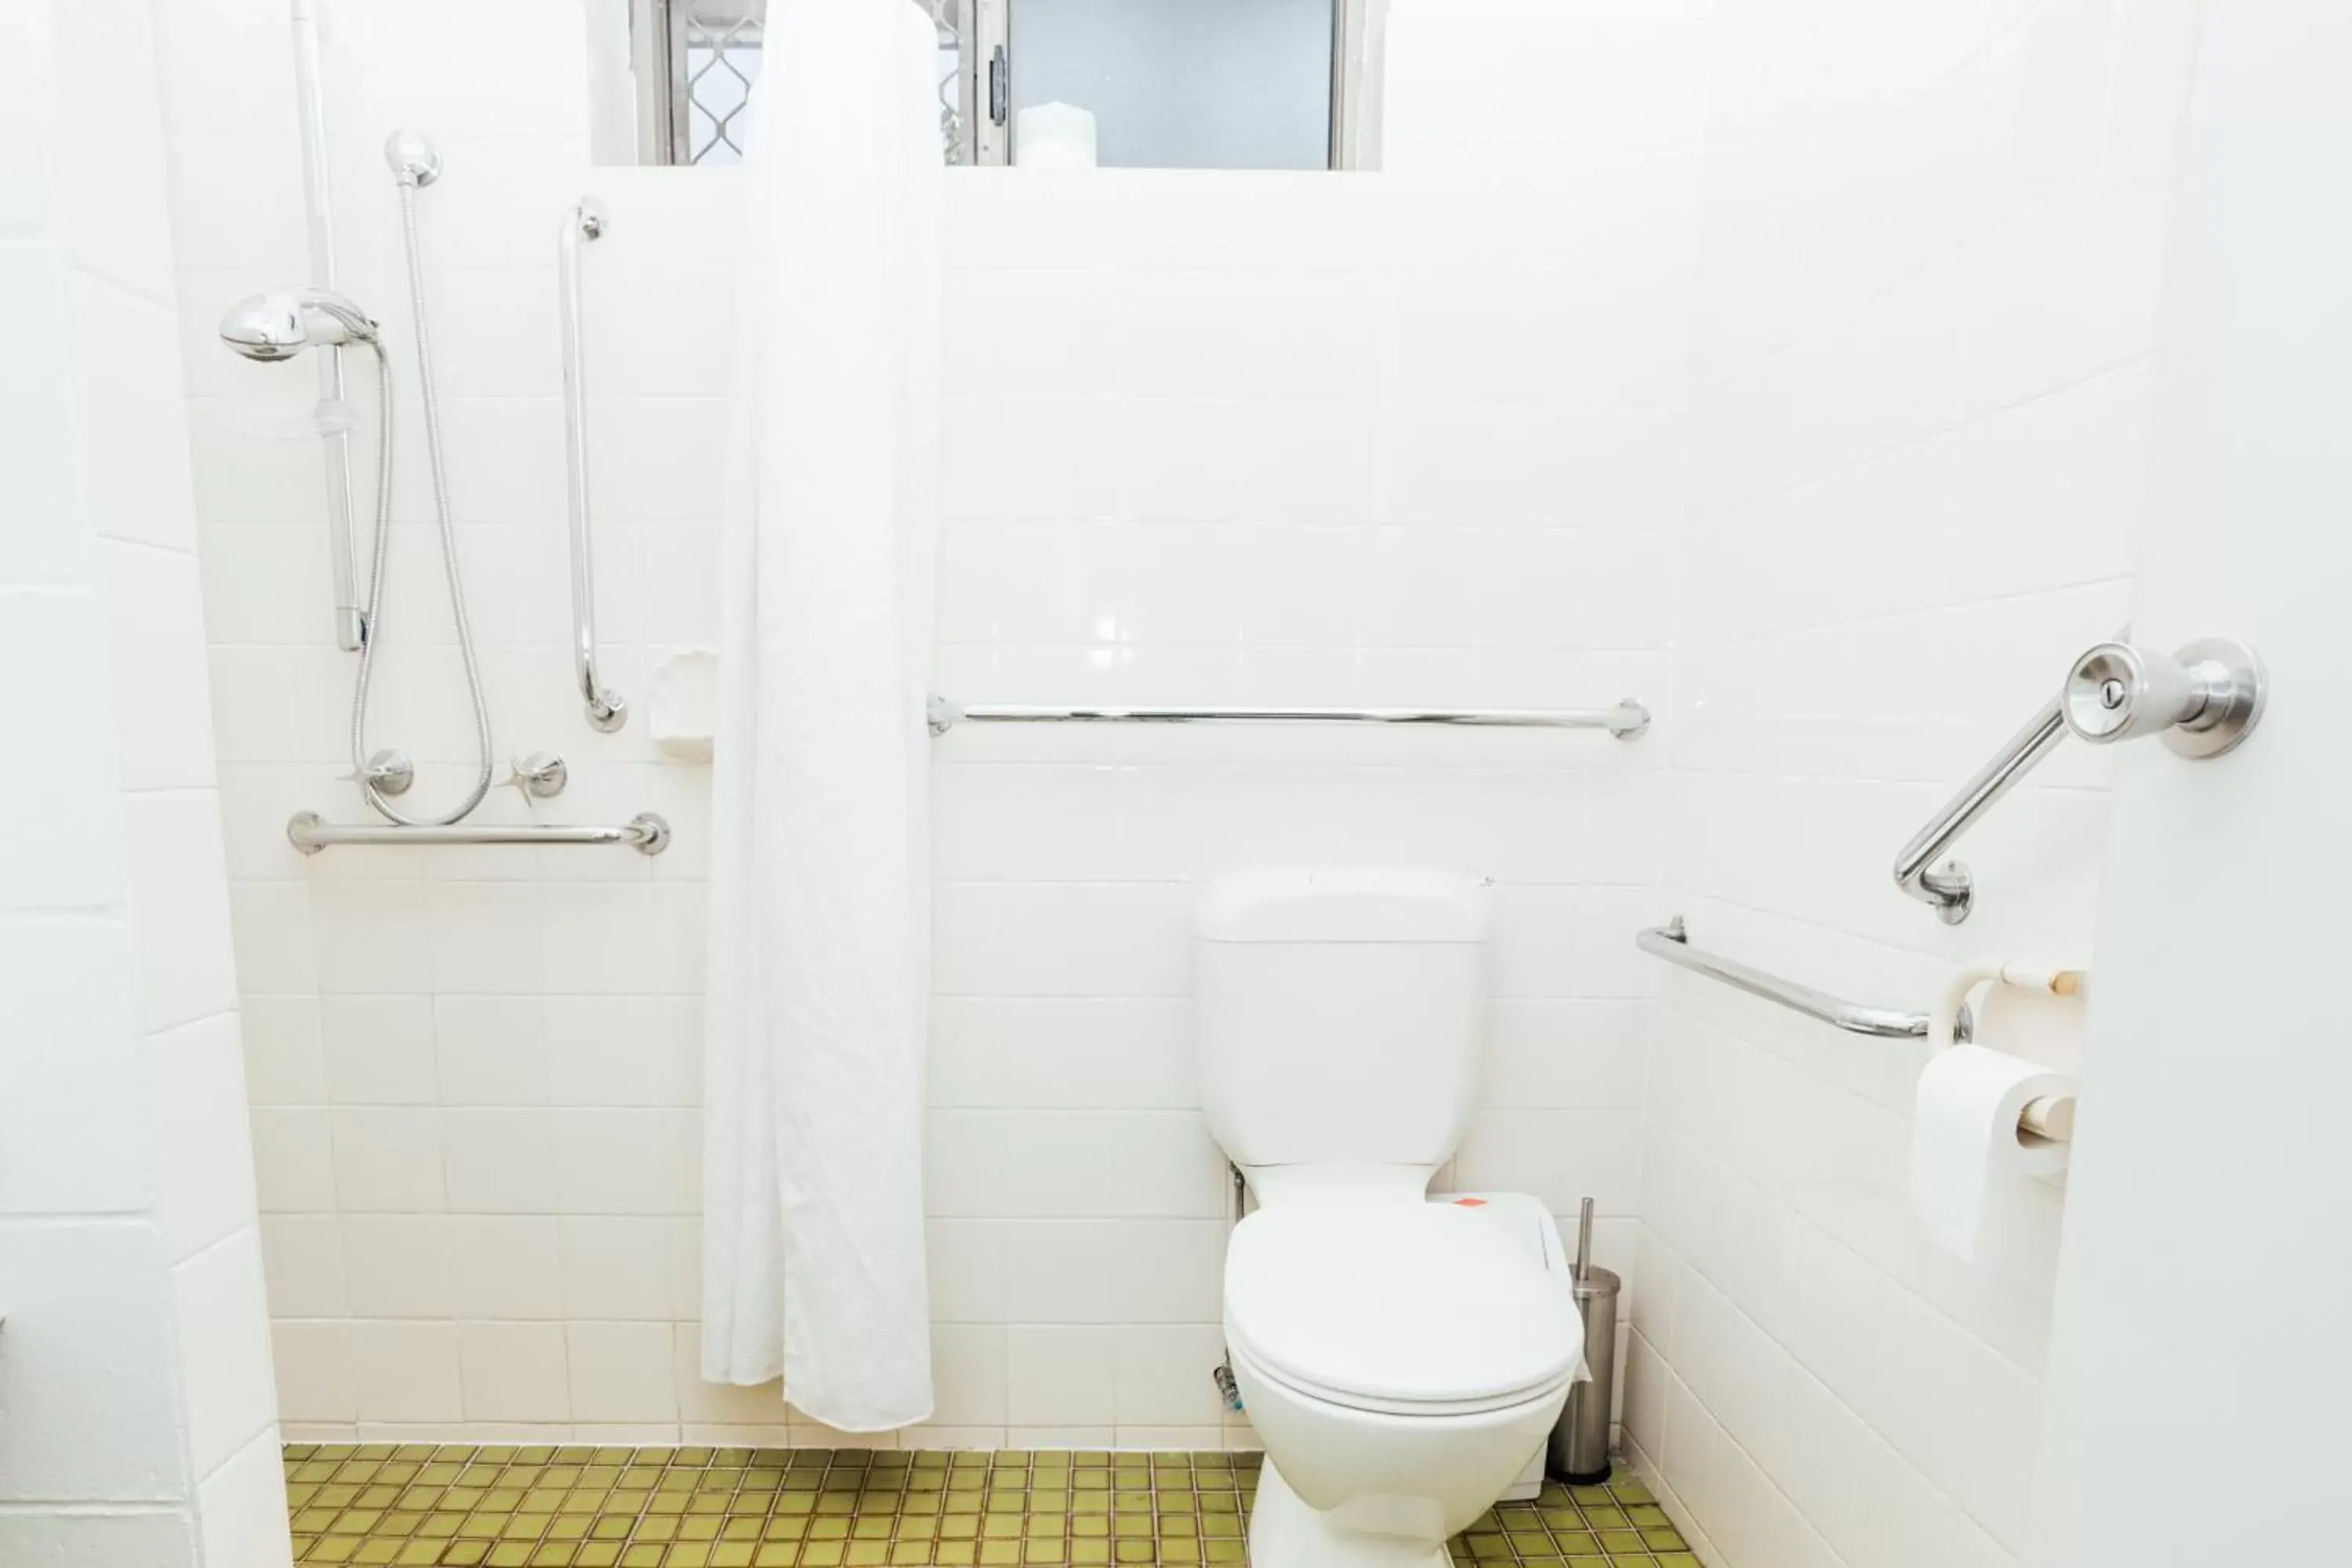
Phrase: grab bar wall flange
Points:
(646, 832)
(606, 709)
(1626, 720)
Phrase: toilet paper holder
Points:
(2050, 1120)
(2051, 1117)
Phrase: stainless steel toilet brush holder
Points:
(1579, 1451)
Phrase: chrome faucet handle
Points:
(539, 776)
(388, 772)
(2203, 699)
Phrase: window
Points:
(1222, 84)
(1176, 84)
(694, 61)
(714, 53)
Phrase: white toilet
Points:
(1402, 1360)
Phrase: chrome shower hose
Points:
(374, 622)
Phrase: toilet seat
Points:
(1373, 1404)
(1406, 1309)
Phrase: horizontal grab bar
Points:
(1671, 941)
(2050, 1118)
(1626, 720)
(310, 833)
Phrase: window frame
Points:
(983, 133)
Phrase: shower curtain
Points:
(812, 1227)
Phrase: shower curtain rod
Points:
(1626, 720)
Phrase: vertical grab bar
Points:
(606, 710)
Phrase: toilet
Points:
(1402, 1360)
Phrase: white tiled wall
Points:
(1282, 439)
(140, 1425)
(1934, 238)
(1837, 506)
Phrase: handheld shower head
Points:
(282, 322)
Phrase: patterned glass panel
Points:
(715, 48)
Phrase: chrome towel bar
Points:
(1671, 941)
(310, 833)
(1626, 720)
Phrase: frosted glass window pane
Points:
(1183, 84)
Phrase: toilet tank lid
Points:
(1372, 904)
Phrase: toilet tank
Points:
(1340, 1013)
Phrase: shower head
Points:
(412, 158)
(284, 322)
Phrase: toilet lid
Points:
(1397, 1304)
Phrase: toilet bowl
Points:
(1402, 1362)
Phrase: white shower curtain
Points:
(813, 1229)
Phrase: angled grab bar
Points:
(1948, 888)
(606, 710)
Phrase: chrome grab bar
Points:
(606, 710)
(310, 833)
(1949, 888)
(2203, 699)
(1671, 941)
(1626, 720)
(2051, 1117)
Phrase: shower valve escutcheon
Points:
(388, 772)
(2203, 699)
(539, 776)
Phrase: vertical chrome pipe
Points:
(318, 201)
(606, 710)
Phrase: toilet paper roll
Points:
(1968, 1158)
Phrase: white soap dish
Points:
(682, 704)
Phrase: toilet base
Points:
(1284, 1533)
